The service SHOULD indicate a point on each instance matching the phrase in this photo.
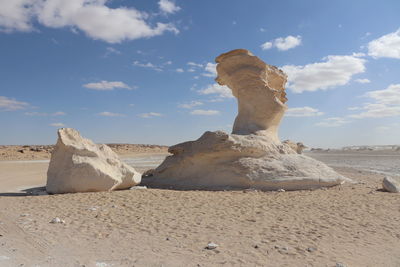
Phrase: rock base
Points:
(221, 161)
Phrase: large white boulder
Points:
(252, 156)
(79, 165)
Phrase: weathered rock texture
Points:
(252, 156)
(391, 184)
(298, 147)
(79, 165)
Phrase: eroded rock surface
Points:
(79, 165)
(252, 156)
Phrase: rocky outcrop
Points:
(298, 147)
(391, 184)
(79, 165)
(252, 156)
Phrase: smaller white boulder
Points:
(79, 165)
(391, 184)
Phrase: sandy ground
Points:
(354, 224)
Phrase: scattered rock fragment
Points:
(57, 220)
(211, 246)
(391, 184)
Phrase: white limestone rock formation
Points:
(79, 165)
(391, 184)
(252, 156)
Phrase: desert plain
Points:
(354, 224)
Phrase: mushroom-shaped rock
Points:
(252, 156)
(260, 91)
(79, 165)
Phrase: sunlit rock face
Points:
(259, 89)
(79, 165)
(252, 156)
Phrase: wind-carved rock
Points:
(252, 156)
(79, 165)
(259, 89)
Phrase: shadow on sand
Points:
(34, 191)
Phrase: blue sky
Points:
(143, 71)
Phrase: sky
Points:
(130, 71)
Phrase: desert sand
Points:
(354, 224)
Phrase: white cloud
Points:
(333, 122)
(92, 17)
(335, 71)
(193, 64)
(150, 115)
(57, 124)
(179, 70)
(168, 7)
(221, 90)
(111, 50)
(303, 112)
(211, 70)
(147, 65)
(386, 103)
(110, 114)
(10, 104)
(283, 44)
(388, 96)
(107, 86)
(35, 113)
(191, 104)
(191, 70)
(262, 29)
(205, 112)
(362, 80)
(385, 46)
(266, 45)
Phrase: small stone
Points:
(138, 187)
(57, 220)
(211, 246)
(391, 184)
(281, 190)
(167, 239)
(339, 264)
(256, 246)
(311, 249)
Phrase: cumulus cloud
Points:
(283, 44)
(93, 17)
(150, 115)
(10, 104)
(303, 112)
(211, 70)
(362, 80)
(386, 103)
(216, 89)
(168, 7)
(333, 122)
(191, 104)
(57, 124)
(334, 71)
(385, 46)
(107, 86)
(179, 70)
(205, 112)
(193, 64)
(110, 114)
